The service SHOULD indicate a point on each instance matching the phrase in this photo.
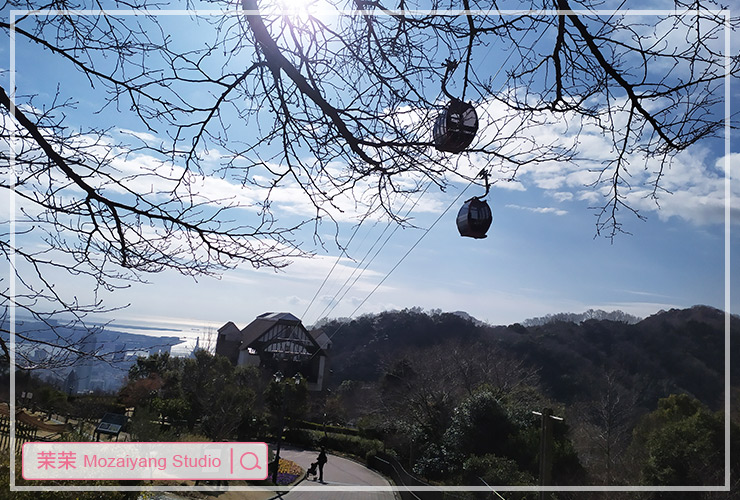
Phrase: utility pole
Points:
(546, 417)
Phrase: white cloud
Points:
(696, 189)
(692, 185)
(562, 196)
(540, 210)
(591, 197)
(510, 185)
(145, 137)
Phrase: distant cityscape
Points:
(104, 354)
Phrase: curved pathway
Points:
(343, 479)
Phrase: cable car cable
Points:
(449, 63)
(339, 257)
(377, 252)
(334, 302)
(426, 231)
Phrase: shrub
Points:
(494, 471)
(334, 429)
(351, 445)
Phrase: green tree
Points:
(493, 470)
(146, 366)
(481, 425)
(51, 400)
(142, 391)
(144, 425)
(484, 425)
(172, 410)
(212, 390)
(205, 390)
(682, 443)
(287, 397)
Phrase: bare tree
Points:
(604, 427)
(421, 387)
(338, 108)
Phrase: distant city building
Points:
(105, 355)
(71, 383)
(196, 348)
(160, 349)
(88, 348)
(277, 341)
(39, 355)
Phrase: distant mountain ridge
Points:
(676, 351)
(681, 350)
(598, 314)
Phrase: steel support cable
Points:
(326, 310)
(339, 257)
(346, 288)
(336, 303)
(426, 231)
(360, 263)
(331, 305)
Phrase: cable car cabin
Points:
(455, 127)
(474, 218)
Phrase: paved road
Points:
(343, 480)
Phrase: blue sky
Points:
(541, 256)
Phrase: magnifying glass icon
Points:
(256, 461)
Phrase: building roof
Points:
(321, 338)
(230, 331)
(264, 322)
(284, 317)
(228, 326)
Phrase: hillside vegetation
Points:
(455, 397)
(676, 351)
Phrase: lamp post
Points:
(546, 417)
(278, 377)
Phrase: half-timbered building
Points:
(277, 342)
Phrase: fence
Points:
(23, 434)
(389, 466)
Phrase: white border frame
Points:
(197, 12)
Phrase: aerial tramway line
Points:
(454, 130)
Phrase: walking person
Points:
(321, 460)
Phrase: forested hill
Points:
(671, 351)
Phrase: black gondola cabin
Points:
(455, 127)
(474, 218)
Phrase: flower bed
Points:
(288, 472)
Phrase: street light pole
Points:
(279, 379)
(546, 447)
